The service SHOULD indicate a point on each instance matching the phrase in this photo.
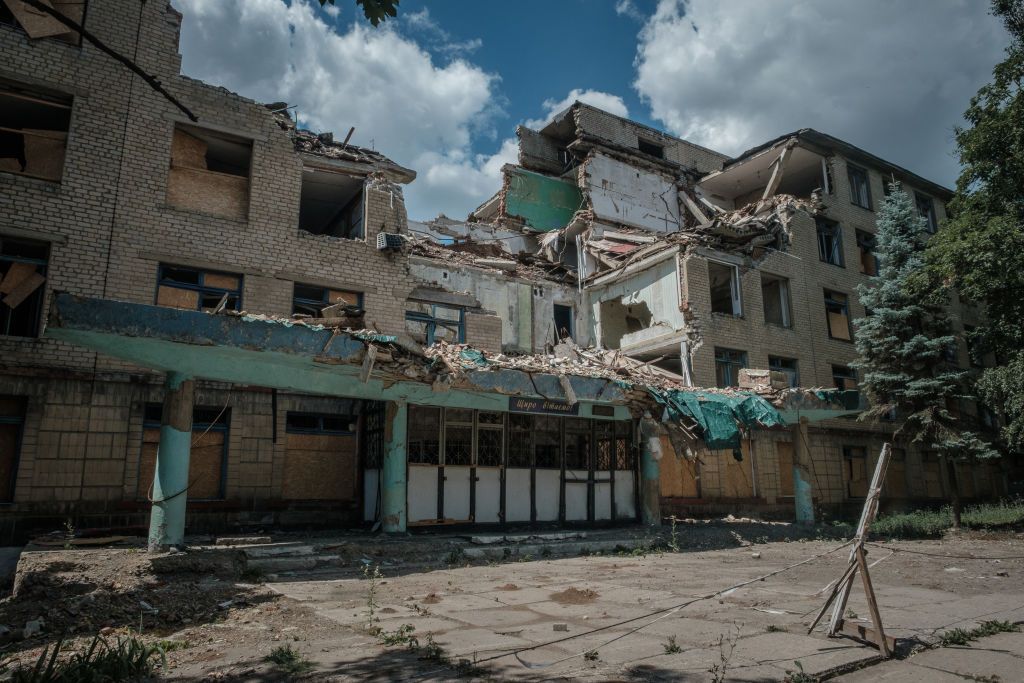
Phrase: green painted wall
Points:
(545, 203)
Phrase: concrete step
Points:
(277, 550)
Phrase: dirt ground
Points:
(221, 628)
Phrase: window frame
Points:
(650, 145)
(845, 310)
(723, 360)
(793, 373)
(835, 234)
(202, 288)
(42, 268)
(854, 172)
(785, 300)
(431, 321)
(320, 421)
(325, 299)
(220, 423)
(929, 215)
(844, 372)
(866, 245)
(735, 288)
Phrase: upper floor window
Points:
(209, 172)
(844, 378)
(830, 242)
(728, 363)
(429, 323)
(564, 323)
(787, 366)
(926, 207)
(22, 275)
(837, 310)
(775, 296)
(33, 131)
(331, 203)
(860, 190)
(40, 25)
(866, 247)
(197, 290)
(311, 299)
(725, 288)
(652, 148)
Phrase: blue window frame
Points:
(728, 363)
(429, 323)
(26, 263)
(311, 299)
(320, 423)
(209, 450)
(196, 289)
(12, 421)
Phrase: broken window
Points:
(855, 461)
(725, 288)
(33, 132)
(429, 323)
(728, 363)
(830, 242)
(41, 25)
(926, 207)
(564, 323)
(787, 366)
(208, 460)
(12, 421)
(311, 299)
(860, 190)
(197, 290)
(844, 378)
(424, 435)
(775, 295)
(331, 204)
(866, 246)
(22, 275)
(209, 172)
(837, 310)
(652, 148)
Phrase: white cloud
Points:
(602, 100)
(421, 22)
(420, 113)
(626, 8)
(891, 77)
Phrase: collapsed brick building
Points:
(608, 232)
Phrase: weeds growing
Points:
(128, 660)
(288, 660)
(960, 636)
(932, 523)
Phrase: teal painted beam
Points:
(393, 470)
(170, 475)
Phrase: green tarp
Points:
(719, 416)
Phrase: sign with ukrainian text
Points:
(543, 406)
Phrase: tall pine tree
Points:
(903, 340)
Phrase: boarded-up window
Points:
(39, 24)
(208, 458)
(209, 172)
(22, 276)
(784, 451)
(320, 457)
(855, 464)
(737, 475)
(837, 311)
(12, 419)
(678, 476)
(33, 131)
(896, 475)
(195, 289)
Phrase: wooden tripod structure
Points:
(840, 593)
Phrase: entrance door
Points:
(424, 454)
(457, 465)
(490, 456)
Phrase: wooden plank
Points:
(220, 280)
(869, 592)
(175, 297)
(865, 634)
(367, 366)
(24, 290)
(35, 23)
(16, 274)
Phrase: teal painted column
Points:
(803, 494)
(393, 470)
(650, 473)
(170, 475)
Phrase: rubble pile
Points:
(492, 258)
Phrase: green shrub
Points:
(288, 660)
(129, 660)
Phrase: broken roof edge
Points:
(829, 142)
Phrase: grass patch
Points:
(960, 636)
(932, 523)
(128, 660)
(288, 660)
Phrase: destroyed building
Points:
(328, 350)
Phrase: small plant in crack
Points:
(726, 648)
(671, 647)
(372, 575)
(591, 655)
(798, 675)
(288, 660)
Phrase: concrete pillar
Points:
(803, 494)
(650, 484)
(170, 475)
(393, 469)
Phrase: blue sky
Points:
(441, 88)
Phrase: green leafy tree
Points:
(374, 10)
(980, 250)
(903, 342)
